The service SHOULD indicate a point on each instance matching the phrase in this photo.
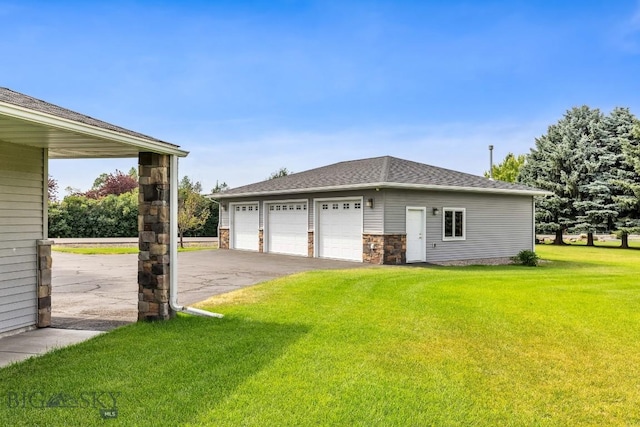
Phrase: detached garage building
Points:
(381, 210)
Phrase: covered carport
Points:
(33, 131)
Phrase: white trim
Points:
(272, 202)
(265, 219)
(73, 126)
(533, 224)
(464, 224)
(423, 253)
(316, 215)
(231, 208)
(388, 185)
(45, 196)
(173, 233)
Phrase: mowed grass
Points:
(555, 345)
(117, 250)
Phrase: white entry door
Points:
(287, 228)
(416, 224)
(340, 229)
(245, 227)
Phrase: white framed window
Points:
(357, 205)
(454, 222)
(325, 206)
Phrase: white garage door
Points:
(287, 228)
(340, 229)
(246, 223)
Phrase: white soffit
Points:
(68, 139)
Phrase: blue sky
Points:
(249, 87)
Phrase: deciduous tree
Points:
(112, 183)
(52, 189)
(280, 173)
(193, 208)
(508, 169)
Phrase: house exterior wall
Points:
(22, 171)
(496, 225)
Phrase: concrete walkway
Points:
(16, 348)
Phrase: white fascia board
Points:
(50, 120)
(390, 185)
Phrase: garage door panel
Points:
(246, 222)
(287, 228)
(340, 229)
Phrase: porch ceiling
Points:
(69, 135)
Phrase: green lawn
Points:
(554, 345)
(117, 250)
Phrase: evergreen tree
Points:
(595, 208)
(558, 164)
(587, 160)
(624, 178)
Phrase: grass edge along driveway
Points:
(508, 345)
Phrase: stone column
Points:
(154, 237)
(223, 238)
(44, 283)
(310, 244)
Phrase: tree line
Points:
(110, 208)
(590, 162)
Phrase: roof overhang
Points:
(387, 185)
(68, 139)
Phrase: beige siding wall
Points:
(496, 225)
(21, 225)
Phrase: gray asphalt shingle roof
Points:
(21, 100)
(379, 172)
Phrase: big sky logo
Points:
(105, 401)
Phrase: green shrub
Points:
(526, 257)
(109, 216)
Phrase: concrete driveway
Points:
(100, 292)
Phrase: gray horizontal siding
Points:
(21, 225)
(496, 225)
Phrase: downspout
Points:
(173, 247)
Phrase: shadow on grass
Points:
(165, 373)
